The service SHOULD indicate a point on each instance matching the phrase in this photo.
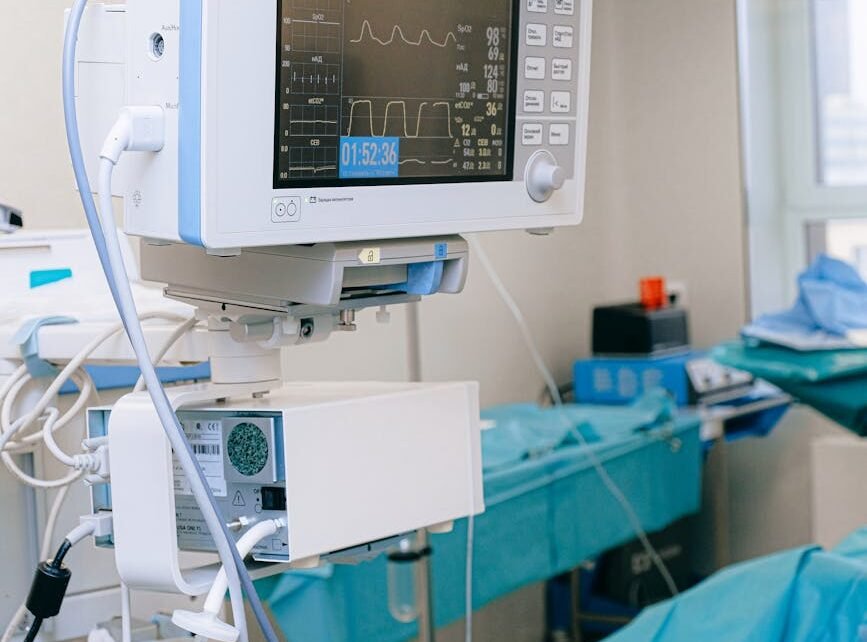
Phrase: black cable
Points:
(48, 590)
(33, 630)
(57, 562)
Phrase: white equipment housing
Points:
(359, 463)
(278, 132)
(320, 157)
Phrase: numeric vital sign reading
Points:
(385, 91)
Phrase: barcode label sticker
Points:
(206, 441)
(207, 449)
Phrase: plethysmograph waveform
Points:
(402, 105)
(420, 161)
(367, 28)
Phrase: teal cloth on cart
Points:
(803, 595)
(525, 431)
(546, 511)
(777, 364)
(832, 382)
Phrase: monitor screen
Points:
(399, 91)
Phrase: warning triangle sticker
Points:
(239, 499)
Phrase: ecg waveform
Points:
(398, 31)
(402, 105)
(306, 161)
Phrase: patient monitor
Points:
(301, 121)
(321, 157)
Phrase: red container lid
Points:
(653, 293)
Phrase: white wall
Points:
(664, 196)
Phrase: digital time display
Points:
(399, 91)
(369, 157)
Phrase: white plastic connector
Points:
(95, 464)
(137, 129)
(92, 443)
(86, 527)
(99, 524)
(206, 623)
(383, 315)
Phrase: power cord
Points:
(554, 391)
(52, 578)
(48, 590)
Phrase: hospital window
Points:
(804, 92)
(840, 69)
(844, 239)
(840, 99)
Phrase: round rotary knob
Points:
(543, 176)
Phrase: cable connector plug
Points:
(95, 464)
(137, 129)
(99, 524)
(206, 623)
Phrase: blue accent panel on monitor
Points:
(190, 124)
(369, 157)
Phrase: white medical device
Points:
(296, 161)
(348, 466)
(291, 121)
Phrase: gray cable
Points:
(232, 562)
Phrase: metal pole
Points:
(424, 592)
(424, 583)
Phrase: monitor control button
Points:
(534, 68)
(561, 102)
(543, 176)
(561, 69)
(534, 101)
(531, 134)
(558, 134)
(564, 7)
(286, 209)
(537, 35)
(563, 36)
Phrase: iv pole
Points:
(424, 584)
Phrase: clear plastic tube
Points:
(554, 391)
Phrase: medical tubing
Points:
(16, 621)
(50, 443)
(53, 422)
(174, 337)
(23, 477)
(74, 371)
(245, 544)
(190, 465)
(125, 614)
(71, 370)
(554, 390)
(51, 523)
(468, 570)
